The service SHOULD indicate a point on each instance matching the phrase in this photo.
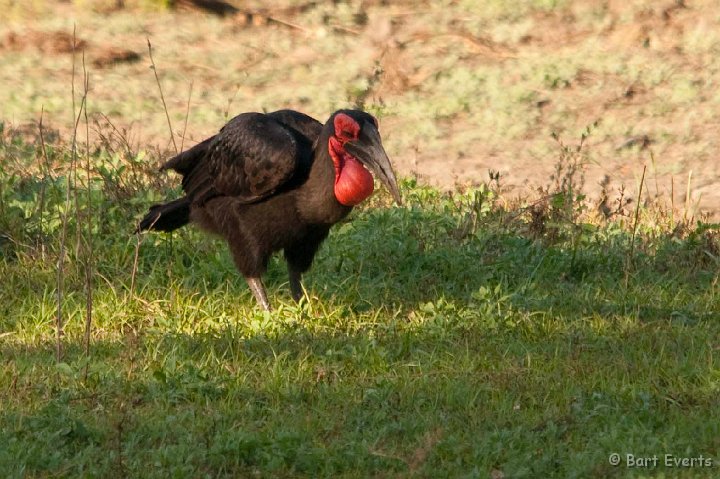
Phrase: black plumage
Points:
(271, 182)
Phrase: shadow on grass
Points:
(290, 398)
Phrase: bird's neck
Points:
(317, 202)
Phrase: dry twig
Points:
(162, 97)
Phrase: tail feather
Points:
(171, 216)
(166, 217)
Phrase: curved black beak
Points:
(369, 151)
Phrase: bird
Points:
(276, 181)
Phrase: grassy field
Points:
(470, 333)
(457, 336)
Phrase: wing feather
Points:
(252, 157)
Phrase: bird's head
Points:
(354, 145)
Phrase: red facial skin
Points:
(353, 183)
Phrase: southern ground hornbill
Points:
(276, 181)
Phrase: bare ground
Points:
(460, 88)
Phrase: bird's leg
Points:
(296, 288)
(258, 290)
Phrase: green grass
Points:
(452, 337)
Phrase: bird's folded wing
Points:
(249, 159)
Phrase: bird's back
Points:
(254, 156)
(306, 125)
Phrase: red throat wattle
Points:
(353, 183)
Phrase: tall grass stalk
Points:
(89, 222)
(631, 253)
(162, 96)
